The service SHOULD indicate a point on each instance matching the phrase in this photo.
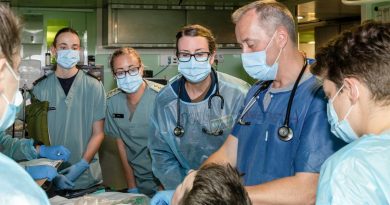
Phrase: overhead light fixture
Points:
(311, 42)
(359, 2)
(299, 17)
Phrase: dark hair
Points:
(363, 53)
(216, 184)
(124, 51)
(64, 30)
(197, 30)
(271, 14)
(10, 29)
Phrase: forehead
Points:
(68, 38)
(248, 27)
(192, 43)
(125, 60)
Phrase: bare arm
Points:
(127, 170)
(95, 141)
(298, 189)
(227, 153)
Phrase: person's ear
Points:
(2, 64)
(53, 51)
(281, 37)
(352, 88)
(2, 72)
(212, 57)
(141, 70)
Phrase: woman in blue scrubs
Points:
(194, 114)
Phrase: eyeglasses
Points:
(200, 57)
(122, 73)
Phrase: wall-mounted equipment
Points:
(33, 29)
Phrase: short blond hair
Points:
(272, 14)
(124, 51)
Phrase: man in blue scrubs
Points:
(277, 171)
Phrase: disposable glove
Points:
(54, 152)
(61, 182)
(42, 172)
(162, 198)
(73, 172)
(133, 190)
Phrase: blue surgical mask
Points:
(255, 64)
(195, 71)
(130, 84)
(12, 107)
(67, 59)
(341, 129)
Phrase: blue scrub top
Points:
(262, 156)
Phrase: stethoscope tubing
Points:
(179, 130)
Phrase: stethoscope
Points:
(179, 130)
(285, 132)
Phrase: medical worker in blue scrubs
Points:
(280, 166)
(356, 72)
(194, 114)
(76, 116)
(17, 187)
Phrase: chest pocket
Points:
(224, 123)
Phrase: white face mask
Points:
(12, 107)
(341, 129)
(130, 84)
(195, 71)
(255, 64)
(67, 59)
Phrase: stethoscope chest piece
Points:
(285, 133)
(178, 131)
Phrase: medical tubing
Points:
(216, 94)
(252, 101)
(178, 102)
(290, 101)
(162, 70)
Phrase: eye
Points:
(184, 54)
(120, 72)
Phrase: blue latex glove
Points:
(133, 190)
(162, 198)
(73, 172)
(54, 152)
(61, 182)
(42, 172)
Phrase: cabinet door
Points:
(147, 27)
